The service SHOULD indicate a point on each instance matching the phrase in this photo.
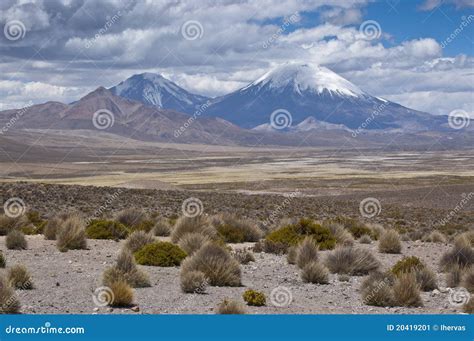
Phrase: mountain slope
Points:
(306, 90)
(155, 90)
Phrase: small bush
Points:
(376, 231)
(131, 217)
(8, 224)
(434, 237)
(216, 263)
(315, 272)
(389, 242)
(3, 261)
(15, 240)
(9, 303)
(355, 227)
(468, 308)
(468, 279)
(106, 229)
(126, 270)
(342, 236)
(306, 252)
(291, 255)
(243, 256)
(198, 224)
(293, 234)
(137, 240)
(160, 254)
(162, 228)
(230, 307)
(254, 298)
(407, 264)
(351, 261)
(191, 242)
(71, 235)
(461, 254)
(122, 294)
(51, 228)
(406, 291)
(34, 218)
(377, 290)
(193, 282)
(234, 230)
(426, 278)
(365, 239)
(19, 277)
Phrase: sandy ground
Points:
(64, 283)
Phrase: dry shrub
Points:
(230, 307)
(8, 224)
(3, 261)
(365, 239)
(291, 255)
(389, 242)
(243, 256)
(234, 230)
(468, 308)
(306, 252)
(51, 228)
(191, 242)
(342, 236)
(137, 240)
(131, 217)
(468, 279)
(122, 294)
(376, 230)
(71, 235)
(454, 276)
(406, 291)
(9, 303)
(351, 261)
(315, 272)
(19, 277)
(377, 290)
(199, 224)
(15, 240)
(461, 254)
(434, 237)
(126, 270)
(469, 236)
(426, 278)
(162, 228)
(193, 282)
(216, 263)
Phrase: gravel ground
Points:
(64, 283)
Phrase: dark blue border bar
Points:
(242, 327)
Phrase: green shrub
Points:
(407, 264)
(254, 298)
(160, 254)
(19, 277)
(293, 234)
(15, 240)
(106, 229)
(35, 218)
(3, 261)
(9, 303)
(71, 235)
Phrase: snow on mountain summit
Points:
(307, 77)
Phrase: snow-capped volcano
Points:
(153, 89)
(306, 90)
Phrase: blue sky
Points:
(67, 48)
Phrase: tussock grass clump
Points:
(468, 308)
(19, 277)
(160, 254)
(290, 235)
(291, 255)
(434, 237)
(51, 228)
(354, 226)
(8, 224)
(235, 230)
(315, 272)
(254, 298)
(306, 252)
(389, 242)
(342, 236)
(376, 231)
(193, 282)
(243, 256)
(9, 303)
(377, 290)
(122, 294)
(106, 229)
(131, 217)
(15, 240)
(468, 279)
(3, 261)
(351, 261)
(191, 242)
(425, 277)
(365, 239)
(126, 270)
(199, 224)
(71, 235)
(137, 240)
(162, 228)
(454, 276)
(461, 254)
(216, 263)
(230, 307)
(406, 291)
